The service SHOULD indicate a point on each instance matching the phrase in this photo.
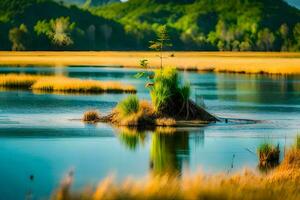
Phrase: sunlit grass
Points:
(165, 122)
(62, 84)
(15, 81)
(133, 112)
(72, 85)
(283, 182)
(237, 62)
(128, 106)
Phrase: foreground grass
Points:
(238, 62)
(62, 84)
(282, 183)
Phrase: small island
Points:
(170, 106)
(170, 100)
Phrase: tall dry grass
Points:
(62, 84)
(18, 81)
(282, 183)
(91, 116)
(70, 85)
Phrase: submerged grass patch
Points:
(62, 84)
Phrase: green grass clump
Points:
(128, 106)
(268, 155)
(170, 99)
(166, 92)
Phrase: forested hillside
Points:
(232, 25)
(86, 3)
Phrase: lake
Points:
(41, 136)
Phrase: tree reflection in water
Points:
(169, 149)
(131, 138)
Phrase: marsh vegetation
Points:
(283, 181)
(62, 84)
(268, 155)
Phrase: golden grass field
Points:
(62, 84)
(239, 62)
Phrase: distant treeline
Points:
(231, 25)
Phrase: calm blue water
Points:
(39, 137)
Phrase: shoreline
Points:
(233, 62)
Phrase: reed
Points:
(283, 182)
(16, 81)
(297, 142)
(268, 155)
(72, 85)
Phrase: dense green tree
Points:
(19, 37)
(265, 40)
(284, 33)
(57, 30)
(296, 32)
(234, 25)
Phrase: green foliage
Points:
(161, 42)
(268, 155)
(128, 106)
(131, 138)
(167, 92)
(234, 25)
(265, 40)
(237, 25)
(91, 32)
(185, 91)
(57, 30)
(19, 37)
(296, 33)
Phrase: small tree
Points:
(57, 30)
(19, 37)
(296, 33)
(161, 43)
(265, 39)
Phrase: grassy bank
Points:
(237, 62)
(62, 84)
(281, 183)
